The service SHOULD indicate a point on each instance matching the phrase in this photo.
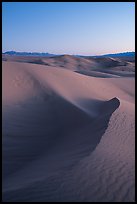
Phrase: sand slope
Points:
(66, 136)
(70, 62)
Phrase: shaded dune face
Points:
(44, 139)
(38, 123)
(54, 122)
(110, 106)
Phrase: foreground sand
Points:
(67, 136)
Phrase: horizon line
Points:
(65, 53)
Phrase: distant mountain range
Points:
(28, 53)
(123, 54)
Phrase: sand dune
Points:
(126, 64)
(67, 136)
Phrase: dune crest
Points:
(66, 136)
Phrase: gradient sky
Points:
(89, 28)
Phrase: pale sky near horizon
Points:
(86, 28)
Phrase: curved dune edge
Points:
(72, 155)
(105, 175)
(110, 168)
(65, 138)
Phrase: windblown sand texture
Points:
(68, 129)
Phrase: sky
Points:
(86, 28)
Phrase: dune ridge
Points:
(65, 135)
